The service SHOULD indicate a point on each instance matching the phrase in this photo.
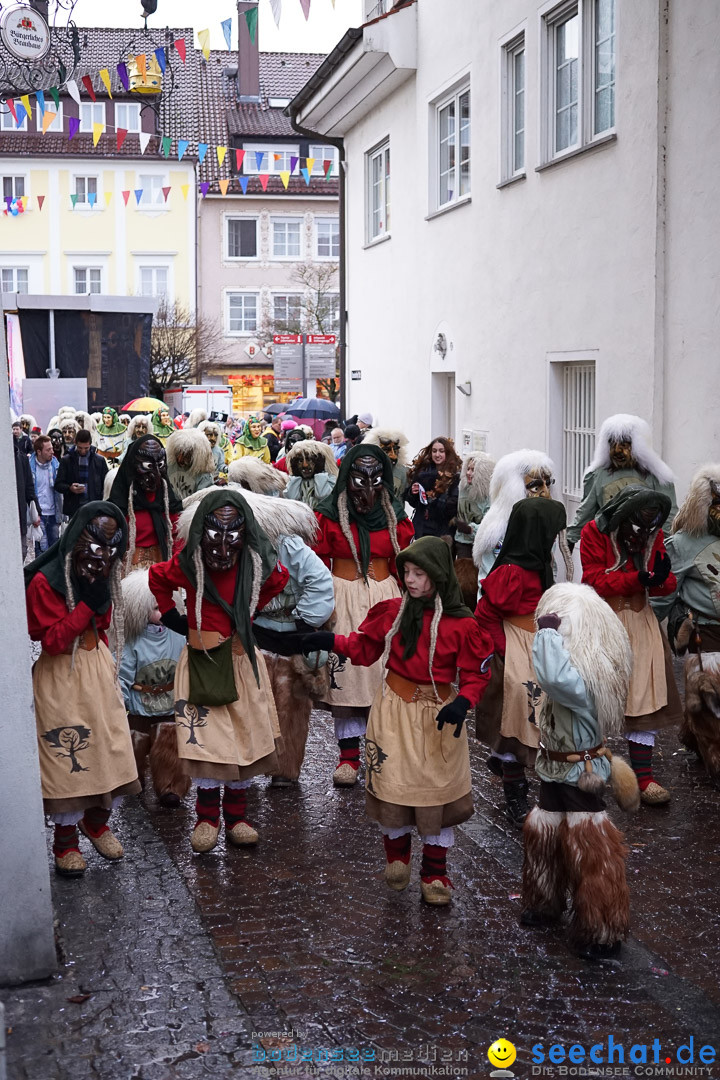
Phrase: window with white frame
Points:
(274, 159)
(322, 153)
(87, 279)
(14, 279)
(241, 238)
(127, 116)
(329, 313)
(91, 112)
(378, 191)
(285, 238)
(151, 185)
(287, 309)
(7, 121)
(13, 187)
(578, 425)
(513, 108)
(242, 312)
(578, 74)
(327, 232)
(452, 147)
(56, 124)
(86, 189)
(153, 281)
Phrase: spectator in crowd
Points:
(27, 505)
(272, 433)
(22, 441)
(338, 444)
(81, 475)
(365, 421)
(44, 467)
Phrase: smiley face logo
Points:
(502, 1054)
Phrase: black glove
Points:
(303, 627)
(320, 641)
(462, 526)
(175, 621)
(95, 594)
(549, 622)
(454, 713)
(659, 574)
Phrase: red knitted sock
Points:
(398, 850)
(95, 820)
(65, 839)
(641, 761)
(234, 806)
(207, 806)
(434, 866)
(350, 752)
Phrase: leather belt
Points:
(210, 639)
(378, 569)
(144, 688)
(148, 556)
(636, 602)
(88, 640)
(524, 622)
(411, 691)
(573, 755)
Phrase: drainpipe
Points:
(52, 372)
(342, 264)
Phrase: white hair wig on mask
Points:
(374, 435)
(598, 646)
(482, 474)
(139, 419)
(30, 419)
(190, 439)
(507, 487)
(317, 449)
(626, 427)
(139, 603)
(254, 475)
(692, 517)
(195, 418)
(210, 425)
(276, 517)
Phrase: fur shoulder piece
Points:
(315, 449)
(255, 475)
(196, 417)
(598, 646)
(507, 487)
(374, 435)
(186, 439)
(692, 517)
(276, 517)
(139, 603)
(479, 489)
(637, 430)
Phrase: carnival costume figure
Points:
(582, 661)
(623, 456)
(213, 434)
(84, 745)
(507, 717)
(139, 425)
(143, 492)
(162, 425)
(432, 488)
(252, 443)
(147, 678)
(394, 443)
(225, 718)
(624, 559)
(293, 436)
(112, 436)
(313, 472)
(473, 500)
(190, 461)
(362, 528)
(417, 764)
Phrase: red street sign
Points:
(287, 339)
(321, 339)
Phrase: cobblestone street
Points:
(186, 959)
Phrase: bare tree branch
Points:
(182, 349)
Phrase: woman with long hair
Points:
(432, 490)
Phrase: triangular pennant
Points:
(182, 147)
(121, 137)
(305, 5)
(144, 137)
(185, 188)
(276, 157)
(223, 185)
(138, 195)
(166, 143)
(20, 115)
(123, 75)
(73, 126)
(310, 162)
(285, 177)
(40, 200)
(108, 197)
(259, 157)
(8, 200)
(244, 183)
(221, 152)
(55, 95)
(40, 100)
(276, 6)
(166, 191)
(293, 164)
(23, 203)
(48, 117)
(161, 58)
(202, 151)
(204, 39)
(126, 196)
(92, 197)
(73, 199)
(97, 132)
(306, 174)
(105, 76)
(327, 168)
(141, 61)
(204, 188)
(227, 30)
(179, 44)
(72, 88)
(11, 107)
(239, 158)
(251, 18)
(263, 178)
(26, 104)
(87, 83)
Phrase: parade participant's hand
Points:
(462, 526)
(94, 593)
(454, 713)
(549, 622)
(659, 574)
(321, 641)
(175, 621)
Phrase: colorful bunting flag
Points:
(276, 6)
(179, 44)
(108, 197)
(20, 115)
(259, 156)
(73, 126)
(73, 200)
(11, 107)
(48, 117)
(141, 61)
(223, 185)
(251, 18)
(185, 188)
(25, 98)
(327, 167)
(161, 58)
(105, 76)
(123, 75)
(97, 132)
(244, 183)
(40, 100)
(92, 198)
(239, 158)
(202, 151)
(121, 134)
(41, 200)
(87, 83)
(204, 39)
(227, 30)
(138, 195)
(306, 174)
(293, 164)
(221, 152)
(166, 143)
(72, 88)
(166, 192)
(182, 147)
(55, 94)
(263, 178)
(310, 162)
(126, 196)
(144, 137)
(204, 188)
(305, 5)
(285, 177)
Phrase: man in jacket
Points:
(25, 495)
(81, 474)
(44, 468)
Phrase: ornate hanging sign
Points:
(25, 33)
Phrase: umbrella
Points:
(275, 409)
(143, 405)
(314, 409)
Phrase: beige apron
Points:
(522, 696)
(227, 742)
(84, 741)
(349, 685)
(648, 685)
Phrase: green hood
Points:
(116, 428)
(161, 429)
(628, 502)
(532, 529)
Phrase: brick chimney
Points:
(248, 55)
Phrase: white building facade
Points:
(532, 228)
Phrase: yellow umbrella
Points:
(143, 405)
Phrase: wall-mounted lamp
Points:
(465, 388)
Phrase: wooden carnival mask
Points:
(223, 538)
(365, 483)
(96, 549)
(150, 466)
(538, 484)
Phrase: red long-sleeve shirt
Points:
(461, 648)
(51, 622)
(597, 555)
(331, 543)
(507, 592)
(167, 576)
(145, 534)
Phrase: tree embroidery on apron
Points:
(191, 717)
(70, 740)
(534, 693)
(335, 664)
(374, 757)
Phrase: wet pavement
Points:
(196, 966)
